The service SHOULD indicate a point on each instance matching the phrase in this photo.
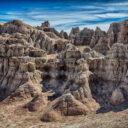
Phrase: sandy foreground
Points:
(14, 116)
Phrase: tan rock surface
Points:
(50, 76)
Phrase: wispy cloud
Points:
(113, 15)
(65, 15)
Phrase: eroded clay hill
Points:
(57, 75)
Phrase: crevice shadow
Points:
(110, 108)
(97, 88)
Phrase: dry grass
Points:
(15, 116)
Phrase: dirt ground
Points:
(14, 116)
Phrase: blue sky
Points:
(65, 14)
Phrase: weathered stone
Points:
(37, 103)
(57, 75)
(45, 24)
(117, 97)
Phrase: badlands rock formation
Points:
(57, 75)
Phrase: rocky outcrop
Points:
(46, 24)
(64, 35)
(96, 36)
(110, 75)
(100, 40)
(123, 33)
(113, 31)
(82, 37)
(56, 75)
